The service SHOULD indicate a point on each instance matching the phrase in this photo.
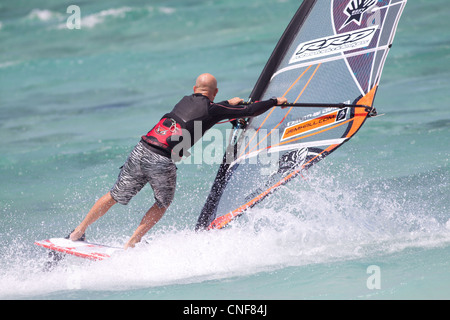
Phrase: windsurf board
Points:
(80, 249)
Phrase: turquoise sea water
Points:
(73, 103)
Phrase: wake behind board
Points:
(82, 249)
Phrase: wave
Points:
(174, 257)
(8, 64)
(327, 222)
(44, 15)
(92, 20)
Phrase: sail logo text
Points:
(313, 124)
(330, 45)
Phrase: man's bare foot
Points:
(131, 243)
(77, 235)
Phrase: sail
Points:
(328, 64)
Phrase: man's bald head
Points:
(206, 84)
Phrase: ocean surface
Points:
(371, 221)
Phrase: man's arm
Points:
(232, 108)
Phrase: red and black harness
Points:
(164, 135)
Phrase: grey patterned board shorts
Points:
(144, 166)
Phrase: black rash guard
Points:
(192, 113)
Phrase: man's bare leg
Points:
(153, 215)
(99, 209)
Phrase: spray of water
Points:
(320, 219)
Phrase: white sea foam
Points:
(8, 64)
(326, 224)
(167, 10)
(44, 14)
(92, 20)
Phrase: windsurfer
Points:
(152, 160)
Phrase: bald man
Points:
(152, 160)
